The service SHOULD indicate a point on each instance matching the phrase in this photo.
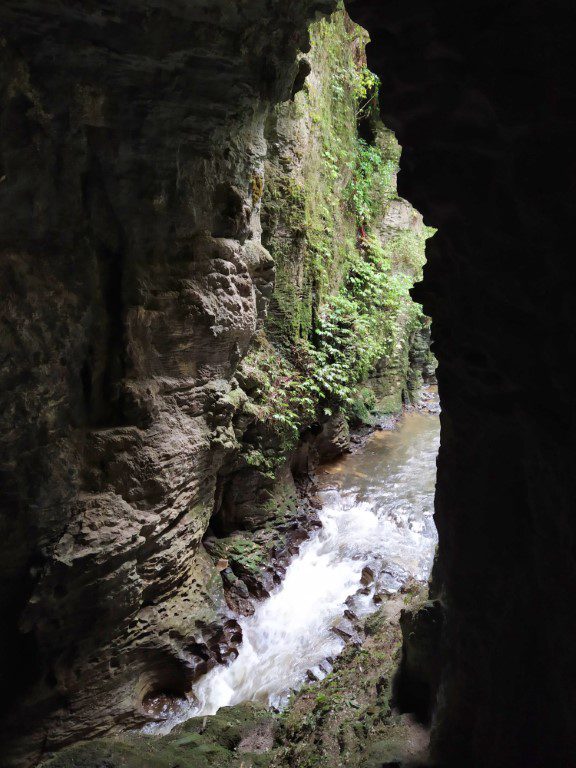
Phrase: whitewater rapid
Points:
(377, 512)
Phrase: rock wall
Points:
(480, 97)
(125, 161)
(132, 141)
(342, 340)
(138, 376)
(346, 247)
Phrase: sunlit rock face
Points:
(480, 95)
(131, 158)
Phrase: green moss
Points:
(242, 552)
(341, 305)
(282, 400)
(347, 250)
(200, 743)
(307, 226)
(257, 185)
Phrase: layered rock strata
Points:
(132, 172)
(132, 145)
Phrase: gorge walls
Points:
(131, 137)
(481, 96)
(146, 408)
(342, 340)
(132, 152)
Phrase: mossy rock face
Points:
(347, 719)
(346, 248)
(231, 727)
(344, 720)
(224, 740)
(142, 753)
(391, 403)
(385, 752)
(341, 336)
(336, 344)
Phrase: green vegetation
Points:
(242, 552)
(342, 335)
(344, 264)
(373, 181)
(362, 323)
(283, 397)
(229, 739)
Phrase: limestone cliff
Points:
(346, 247)
(124, 136)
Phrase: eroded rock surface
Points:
(131, 158)
(345, 719)
(148, 494)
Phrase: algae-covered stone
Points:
(236, 736)
(346, 719)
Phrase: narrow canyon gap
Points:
(132, 147)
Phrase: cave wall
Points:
(481, 96)
(131, 141)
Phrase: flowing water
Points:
(377, 512)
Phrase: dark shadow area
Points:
(482, 99)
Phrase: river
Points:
(377, 512)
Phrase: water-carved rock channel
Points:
(377, 535)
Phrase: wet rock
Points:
(350, 615)
(238, 596)
(346, 630)
(419, 673)
(390, 578)
(367, 576)
(334, 438)
(327, 666)
(135, 280)
(355, 602)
